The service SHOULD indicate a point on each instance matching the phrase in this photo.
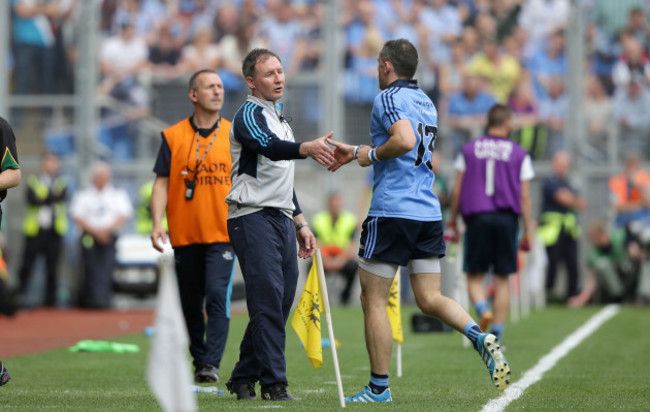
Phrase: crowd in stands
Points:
(472, 52)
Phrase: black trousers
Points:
(205, 273)
(98, 266)
(265, 243)
(46, 243)
(565, 250)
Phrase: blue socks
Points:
(378, 383)
(472, 331)
(497, 330)
(481, 306)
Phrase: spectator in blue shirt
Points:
(467, 111)
(547, 63)
(632, 115)
(552, 113)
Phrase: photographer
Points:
(618, 264)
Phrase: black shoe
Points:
(206, 373)
(244, 391)
(276, 392)
(4, 374)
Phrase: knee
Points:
(372, 302)
(430, 302)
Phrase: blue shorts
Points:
(491, 242)
(395, 240)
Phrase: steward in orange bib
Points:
(192, 181)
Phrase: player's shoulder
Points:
(248, 112)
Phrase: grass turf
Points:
(608, 371)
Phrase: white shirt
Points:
(101, 209)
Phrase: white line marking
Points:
(548, 361)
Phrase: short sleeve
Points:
(459, 163)
(8, 147)
(162, 167)
(527, 172)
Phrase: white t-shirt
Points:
(124, 55)
(101, 209)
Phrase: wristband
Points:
(372, 156)
(356, 152)
(301, 225)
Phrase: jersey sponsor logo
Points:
(493, 149)
(425, 107)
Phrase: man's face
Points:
(335, 203)
(101, 178)
(51, 165)
(267, 81)
(209, 92)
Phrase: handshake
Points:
(342, 153)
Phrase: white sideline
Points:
(548, 361)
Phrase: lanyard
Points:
(198, 162)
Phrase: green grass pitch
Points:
(609, 371)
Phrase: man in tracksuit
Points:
(264, 221)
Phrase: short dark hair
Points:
(498, 115)
(403, 55)
(251, 59)
(193, 83)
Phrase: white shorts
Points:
(388, 270)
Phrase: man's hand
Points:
(306, 241)
(525, 243)
(343, 154)
(362, 156)
(158, 233)
(451, 233)
(318, 150)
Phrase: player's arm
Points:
(451, 234)
(252, 131)
(9, 178)
(401, 140)
(526, 210)
(9, 167)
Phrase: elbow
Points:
(408, 143)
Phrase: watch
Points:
(301, 225)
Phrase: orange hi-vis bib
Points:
(203, 218)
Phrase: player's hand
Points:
(343, 154)
(318, 150)
(578, 301)
(362, 156)
(158, 233)
(306, 242)
(525, 243)
(451, 233)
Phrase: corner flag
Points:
(168, 371)
(394, 310)
(306, 319)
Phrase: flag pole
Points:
(399, 345)
(330, 329)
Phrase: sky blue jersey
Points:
(402, 186)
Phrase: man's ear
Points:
(249, 82)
